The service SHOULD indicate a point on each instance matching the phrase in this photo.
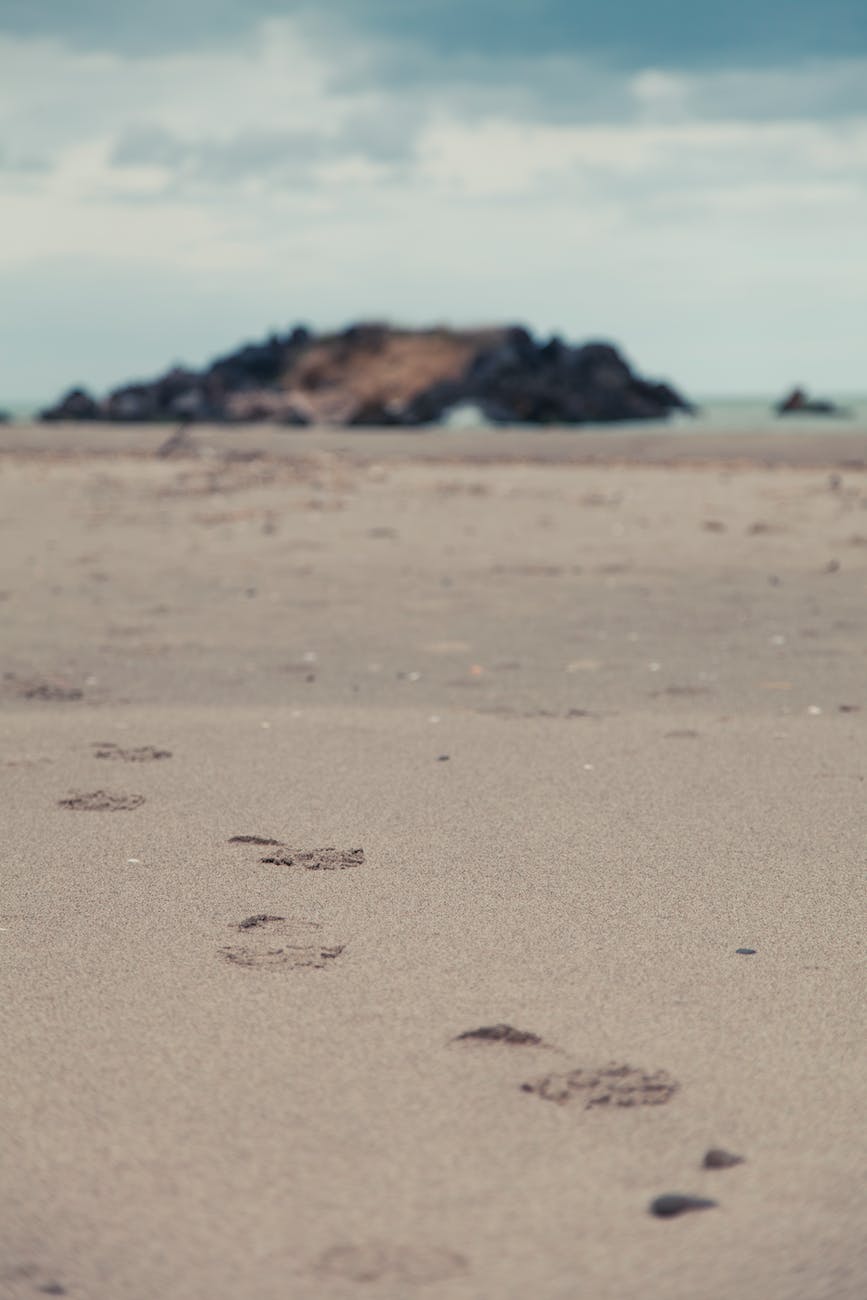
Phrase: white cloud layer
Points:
(721, 241)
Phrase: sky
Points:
(688, 181)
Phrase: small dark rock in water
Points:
(674, 1203)
(717, 1158)
(501, 1034)
(746, 952)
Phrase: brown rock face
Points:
(374, 374)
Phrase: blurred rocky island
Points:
(376, 374)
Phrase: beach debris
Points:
(718, 1158)
(500, 1034)
(178, 443)
(671, 1204)
(611, 1085)
(746, 952)
(328, 859)
(102, 801)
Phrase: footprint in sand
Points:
(102, 801)
(46, 689)
(609, 1085)
(30, 1280)
(329, 859)
(143, 754)
(280, 941)
(375, 1261)
(254, 839)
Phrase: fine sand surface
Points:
(538, 745)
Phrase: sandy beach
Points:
(576, 721)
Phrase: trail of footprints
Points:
(271, 942)
(106, 800)
(285, 942)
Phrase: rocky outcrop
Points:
(373, 374)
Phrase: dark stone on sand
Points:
(375, 374)
(672, 1204)
(443, 758)
(717, 1158)
(262, 918)
(501, 1034)
(746, 952)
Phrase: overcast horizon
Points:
(178, 180)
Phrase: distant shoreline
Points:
(794, 444)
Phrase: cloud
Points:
(284, 157)
(632, 33)
(704, 217)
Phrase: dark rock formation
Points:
(799, 402)
(373, 374)
(77, 404)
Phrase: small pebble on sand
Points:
(672, 1204)
(718, 1158)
